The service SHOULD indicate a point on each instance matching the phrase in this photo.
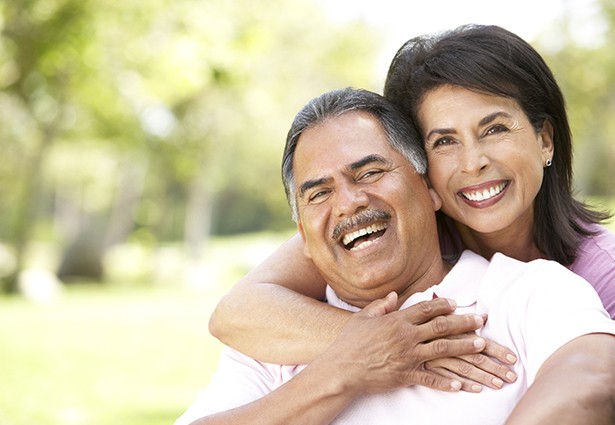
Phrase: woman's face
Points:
(485, 159)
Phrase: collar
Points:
(460, 284)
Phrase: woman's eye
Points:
(495, 129)
(442, 141)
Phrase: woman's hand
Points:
(381, 348)
(491, 367)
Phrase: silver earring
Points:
(548, 163)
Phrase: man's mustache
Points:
(357, 220)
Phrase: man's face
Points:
(365, 214)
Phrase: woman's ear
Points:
(548, 147)
(435, 199)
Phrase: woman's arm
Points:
(274, 314)
(353, 366)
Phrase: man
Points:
(351, 164)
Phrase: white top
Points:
(534, 309)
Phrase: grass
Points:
(104, 357)
(126, 354)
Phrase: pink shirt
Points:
(523, 315)
(596, 264)
(595, 260)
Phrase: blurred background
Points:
(139, 170)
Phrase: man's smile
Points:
(362, 238)
(359, 231)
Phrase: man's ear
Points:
(546, 135)
(435, 199)
(306, 251)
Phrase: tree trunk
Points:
(83, 258)
(128, 195)
(25, 210)
(197, 225)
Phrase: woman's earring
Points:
(548, 163)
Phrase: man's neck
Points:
(433, 275)
(429, 274)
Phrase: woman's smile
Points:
(484, 195)
(486, 161)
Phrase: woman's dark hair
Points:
(492, 60)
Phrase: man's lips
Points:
(360, 220)
(484, 192)
(362, 238)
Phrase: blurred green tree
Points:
(585, 70)
(156, 122)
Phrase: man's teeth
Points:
(376, 227)
(485, 194)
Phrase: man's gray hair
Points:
(401, 135)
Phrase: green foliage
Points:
(184, 104)
(586, 74)
(185, 90)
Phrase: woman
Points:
(499, 150)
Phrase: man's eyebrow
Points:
(307, 185)
(368, 160)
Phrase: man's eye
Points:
(370, 175)
(318, 196)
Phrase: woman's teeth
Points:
(484, 194)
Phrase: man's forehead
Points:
(354, 135)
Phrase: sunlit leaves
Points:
(185, 89)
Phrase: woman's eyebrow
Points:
(493, 116)
(440, 131)
(485, 120)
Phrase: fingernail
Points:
(479, 343)
(511, 376)
(452, 303)
(476, 388)
(455, 385)
(511, 358)
(497, 382)
(479, 320)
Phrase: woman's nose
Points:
(473, 159)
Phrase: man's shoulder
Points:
(503, 263)
(533, 276)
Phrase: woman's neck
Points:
(516, 243)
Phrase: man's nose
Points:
(349, 199)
